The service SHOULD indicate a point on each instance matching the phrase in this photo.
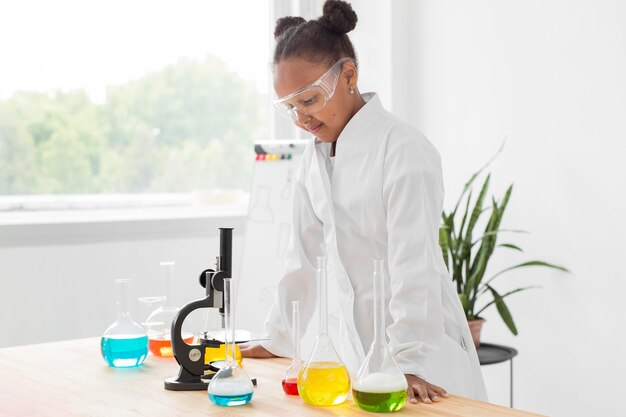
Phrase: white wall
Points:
(549, 76)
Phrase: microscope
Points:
(196, 369)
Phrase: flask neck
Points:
(296, 330)
(322, 295)
(379, 302)
(123, 298)
(168, 266)
(229, 321)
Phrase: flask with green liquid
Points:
(380, 386)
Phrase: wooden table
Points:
(71, 379)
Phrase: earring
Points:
(351, 90)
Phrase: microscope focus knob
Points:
(217, 280)
(203, 276)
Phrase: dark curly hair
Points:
(320, 40)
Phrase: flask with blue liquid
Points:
(124, 343)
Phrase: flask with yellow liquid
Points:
(217, 354)
(324, 380)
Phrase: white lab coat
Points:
(382, 198)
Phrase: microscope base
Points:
(191, 384)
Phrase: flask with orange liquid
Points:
(159, 323)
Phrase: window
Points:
(104, 100)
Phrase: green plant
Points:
(467, 264)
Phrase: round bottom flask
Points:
(324, 380)
(231, 393)
(380, 393)
(324, 383)
(290, 380)
(159, 322)
(380, 386)
(124, 343)
(230, 386)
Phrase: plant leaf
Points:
(510, 246)
(505, 200)
(527, 264)
(505, 295)
(493, 226)
(498, 219)
(468, 184)
(443, 244)
(478, 208)
(449, 222)
(479, 266)
(469, 198)
(466, 243)
(504, 311)
(495, 232)
(476, 273)
(464, 252)
(450, 256)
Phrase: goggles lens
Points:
(307, 102)
(312, 98)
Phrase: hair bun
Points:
(338, 17)
(285, 23)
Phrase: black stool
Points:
(489, 354)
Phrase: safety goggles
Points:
(312, 98)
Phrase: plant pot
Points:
(475, 327)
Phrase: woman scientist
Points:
(369, 186)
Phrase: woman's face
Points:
(292, 74)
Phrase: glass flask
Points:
(290, 381)
(324, 380)
(124, 344)
(380, 385)
(218, 354)
(159, 322)
(148, 304)
(230, 386)
(212, 334)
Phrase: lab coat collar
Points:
(363, 117)
(359, 123)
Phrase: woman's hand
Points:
(419, 388)
(255, 351)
